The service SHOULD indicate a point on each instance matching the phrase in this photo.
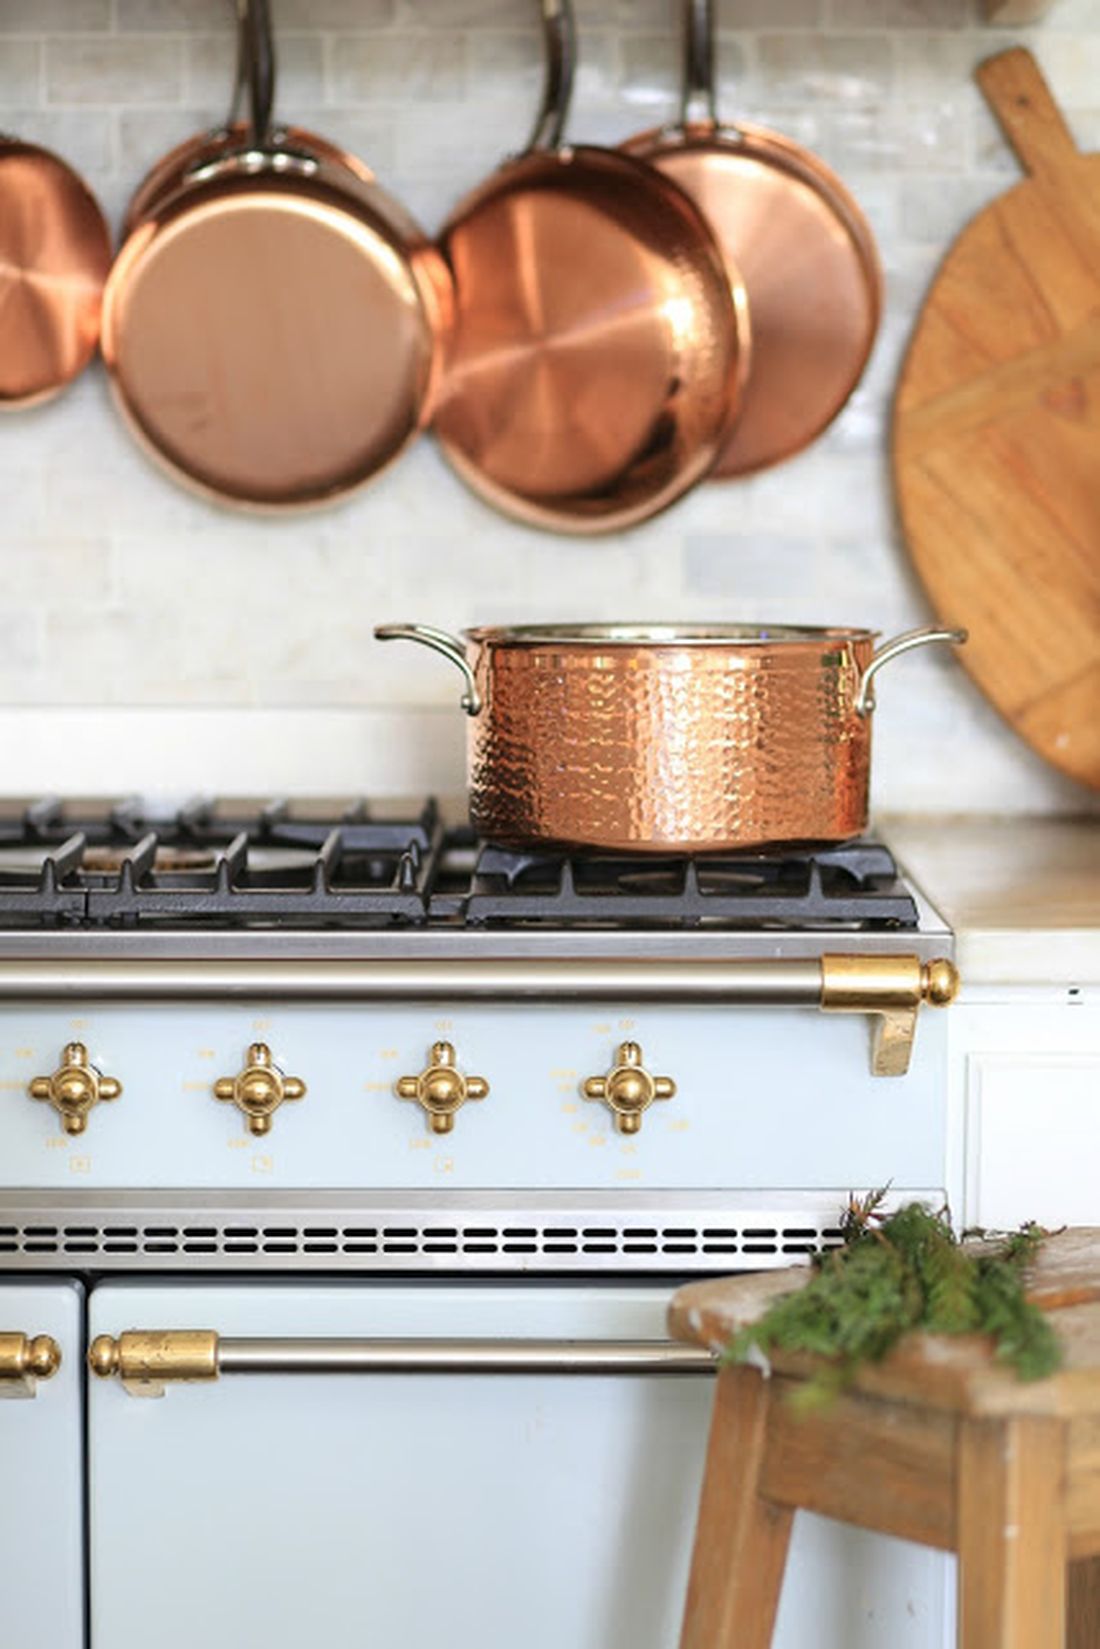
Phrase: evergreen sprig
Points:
(902, 1271)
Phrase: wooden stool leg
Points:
(1084, 1604)
(740, 1539)
(1011, 1534)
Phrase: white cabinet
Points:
(1027, 1112)
(41, 1477)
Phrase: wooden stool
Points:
(937, 1444)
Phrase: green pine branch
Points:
(898, 1272)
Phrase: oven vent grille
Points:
(362, 1244)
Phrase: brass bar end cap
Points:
(43, 1357)
(939, 982)
(103, 1356)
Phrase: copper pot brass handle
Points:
(441, 642)
(865, 698)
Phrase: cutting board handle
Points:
(1033, 123)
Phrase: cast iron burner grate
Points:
(346, 864)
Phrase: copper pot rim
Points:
(791, 637)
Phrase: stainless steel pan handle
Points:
(559, 36)
(440, 641)
(258, 43)
(698, 88)
(865, 697)
(240, 80)
(147, 1360)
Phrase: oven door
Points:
(551, 1508)
(41, 1467)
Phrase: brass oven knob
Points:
(74, 1088)
(440, 1089)
(628, 1090)
(259, 1089)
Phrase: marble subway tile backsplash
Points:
(125, 593)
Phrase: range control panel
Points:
(489, 1095)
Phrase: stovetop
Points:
(327, 865)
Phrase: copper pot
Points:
(654, 738)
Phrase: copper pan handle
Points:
(698, 87)
(559, 39)
(440, 641)
(865, 697)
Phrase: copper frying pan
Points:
(802, 246)
(599, 346)
(270, 327)
(55, 252)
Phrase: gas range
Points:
(341, 1037)
(377, 1152)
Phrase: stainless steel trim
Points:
(665, 635)
(431, 1234)
(763, 982)
(245, 947)
(324, 1356)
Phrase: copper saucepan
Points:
(600, 341)
(799, 241)
(653, 738)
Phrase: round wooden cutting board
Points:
(996, 436)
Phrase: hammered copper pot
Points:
(652, 738)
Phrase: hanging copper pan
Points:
(204, 148)
(55, 252)
(271, 327)
(599, 344)
(799, 241)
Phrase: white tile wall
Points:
(148, 638)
